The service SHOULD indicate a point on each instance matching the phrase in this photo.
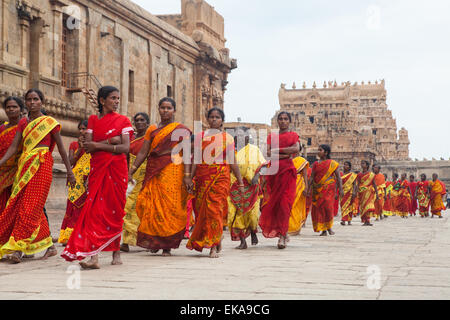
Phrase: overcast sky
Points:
(405, 42)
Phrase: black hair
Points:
(220, 111)
(412, 176)
(104, 93)
(286, 113)
(82, 123)
(377, 165)
(144, 115)
(327, 149)
(366, 162)
(349, 163)
(167, 99)
(17, 100)
(38, 92)
(423, 175)
(44, 112)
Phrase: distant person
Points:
(413, 186)
(437, 193)
(349, 187)
(423, 196)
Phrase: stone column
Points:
(4, 28)
(124, 34)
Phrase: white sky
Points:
(405, 42)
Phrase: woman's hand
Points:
(255, 179)
(115, 141)
(71, 181)
(90, 147)
(189, 184)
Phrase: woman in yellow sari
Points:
(298, 213)
(131, 220)
(349, 186)
(212, 184)
(13, 107)
(437, 191)
(243, 213)
(162, 203)
(366, 193)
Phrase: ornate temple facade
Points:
(353, 119)
(69, 48)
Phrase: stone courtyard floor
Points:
(395, 259)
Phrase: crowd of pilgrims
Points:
(125, 189)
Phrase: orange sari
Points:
(323, 193)
(366, 195)
(162, 203)
(380, 181)
(403, 198)
(8, 171)
(423, 197)
(212, 188)
(437, 191)
(348, 181)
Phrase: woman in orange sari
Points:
(13, 107)
(325, 174)
(281, 185)
(403, 197)
(131, 220)
(212, 183)
(437, 191)
(162, 203)
(81, 163)
(24, 229)
(349, 187)
(380, 182)
(423, 196)
(367, 194)
(99, 226)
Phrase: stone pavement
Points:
(411, 258)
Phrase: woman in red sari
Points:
(413, 187)
(367, 194)
(349, 187)
(380, 181)
(423, 196)
(13, 107)
(404, 197)
(81, 164)
(212, 183)
(99, 226)
(161, 205)
(281, 185)
(324, 176)
(24, 229)
(131, 221)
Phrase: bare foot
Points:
(349, 223)
(243, 245)
(282, 243)
(91, 265)
(219, 246)
(125, 247)
(31, 256)
(16, 257)
(51, 252)
(116, 259)
(331, 232)
(166, 253)
(214, 254)
(255, 240)
(154, 251)
(343, 223)
(324, 234)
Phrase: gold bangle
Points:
(187, 174)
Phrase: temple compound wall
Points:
(69, 48)
(353, 119)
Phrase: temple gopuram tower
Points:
(353, 119)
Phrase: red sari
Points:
(366, 195)
(7, 171)
(23, 225)
(413, 207)
(77, 195)
(212, 189)
(348, 182)
(324, 192)
(403, 198)
(280, 190)
(423, 198)
(99, 226)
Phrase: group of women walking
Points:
(140, 184)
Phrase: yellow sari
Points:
(298, 213)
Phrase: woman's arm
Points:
(13, 148)
(124, 147)
(62, 151)
(339, 180)
(305, 178)
(375, 187)
(289, 150)
(140, 158)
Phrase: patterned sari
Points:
(243, 213)
(403, 198)
(348, 182)
(99, 226)
(162, 203)
(280, 190)
(366, 195)
(323, 192)
(23, 225)
(423, 197)
(7, 171)
(77, 194)
(388, 208)
(131, 221)
(437, 191)
(380, 181)
(413, 206)
(212, 188)
(298, 213)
